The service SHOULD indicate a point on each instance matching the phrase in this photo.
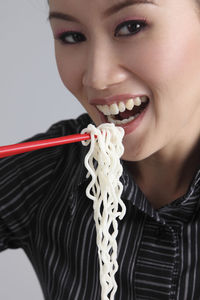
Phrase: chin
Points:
(131, 158)
(135, 154)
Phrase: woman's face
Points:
(108, 52)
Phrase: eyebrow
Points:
(114, 9)
(110, 11)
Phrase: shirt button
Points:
(71, 196)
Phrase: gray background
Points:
(32, 97)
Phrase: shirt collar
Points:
(133, 193)
(183, 207)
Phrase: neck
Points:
(167, 174)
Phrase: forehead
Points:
(105, 8)
(94, 3)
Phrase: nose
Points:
(102, 69)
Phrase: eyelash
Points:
(81, 38)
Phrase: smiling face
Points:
(134, 63)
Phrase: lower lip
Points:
(131, 126)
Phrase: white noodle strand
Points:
(103, 164)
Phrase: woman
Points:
(136, 64)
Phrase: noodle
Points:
(103, 164)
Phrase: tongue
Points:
(128, 113)
(125, 115)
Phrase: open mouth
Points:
(124, 112)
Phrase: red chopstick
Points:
(35, 145)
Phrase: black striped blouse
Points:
(44, 211)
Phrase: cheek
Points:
(69, 71)
(71, 75)
(155, 65)
(170, 63)
(163, 58)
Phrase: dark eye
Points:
(71, 37)
(130, 28)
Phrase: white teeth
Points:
(137, 101)
(122, 107)
(116, 108)
(130, 104)
(144, 99)
(104, 109)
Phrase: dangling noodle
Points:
(103, 164)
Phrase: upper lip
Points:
(114, 99)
